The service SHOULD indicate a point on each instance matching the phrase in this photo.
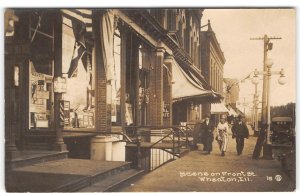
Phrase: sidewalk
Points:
(199, 172)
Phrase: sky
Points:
(234, 28)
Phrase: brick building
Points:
(212, 64)
(75, 78)
(191, 89)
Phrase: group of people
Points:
(238, 128)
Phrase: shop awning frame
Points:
(185, 87)
(219, 108)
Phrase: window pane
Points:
(116, 82)
(79, 93)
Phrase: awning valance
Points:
(218, 108)
(185, 87)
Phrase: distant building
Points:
(212, 63)
(231, 91)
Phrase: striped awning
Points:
(184, 86)
(82, 15)
(81, 23)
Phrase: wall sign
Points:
(166, 110)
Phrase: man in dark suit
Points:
(240, 132)
(207, 136)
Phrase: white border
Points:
(135, 4)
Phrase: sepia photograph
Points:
(185, 99)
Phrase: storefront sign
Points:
(60, 85)
(166, 111)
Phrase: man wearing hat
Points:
(240, 132)
(207, 137)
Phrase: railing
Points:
(160, 152)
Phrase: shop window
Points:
(143, 86)
(144, 96)
(41, 68)
(78, 101)
(116, 82)
(194, 113)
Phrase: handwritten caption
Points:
(220, 176)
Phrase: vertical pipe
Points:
(123, 78)
(58, 44)
(268, 106)
(173, 143)
(256, 110)
(265, 85)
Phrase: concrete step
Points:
(30, 157)
(114, 182)
(67, 175)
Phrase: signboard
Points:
(60, 85)
(166, 110)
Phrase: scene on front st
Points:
(148, 97)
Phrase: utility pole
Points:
(265, 115)
(255, 117)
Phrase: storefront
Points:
(81, 73)
(190, 98)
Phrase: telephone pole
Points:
(265, 115)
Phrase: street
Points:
(199, 172)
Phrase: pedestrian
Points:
(222, 135)
(240, 132)
(197, 135)
(207, 136)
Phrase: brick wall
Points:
(102, 109)
(156, 88)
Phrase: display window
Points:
(144, 80)
(115, 83)
(40, 99)
(194, 113)
(41, 66)
(78, 100)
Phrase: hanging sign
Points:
(60, 85)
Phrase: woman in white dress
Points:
(222, 135)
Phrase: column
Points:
(156, 87)
(59, 144)
(167, 89)
(10, 113)
(101, 108)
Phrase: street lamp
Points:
(266, 91)
(281, 79)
